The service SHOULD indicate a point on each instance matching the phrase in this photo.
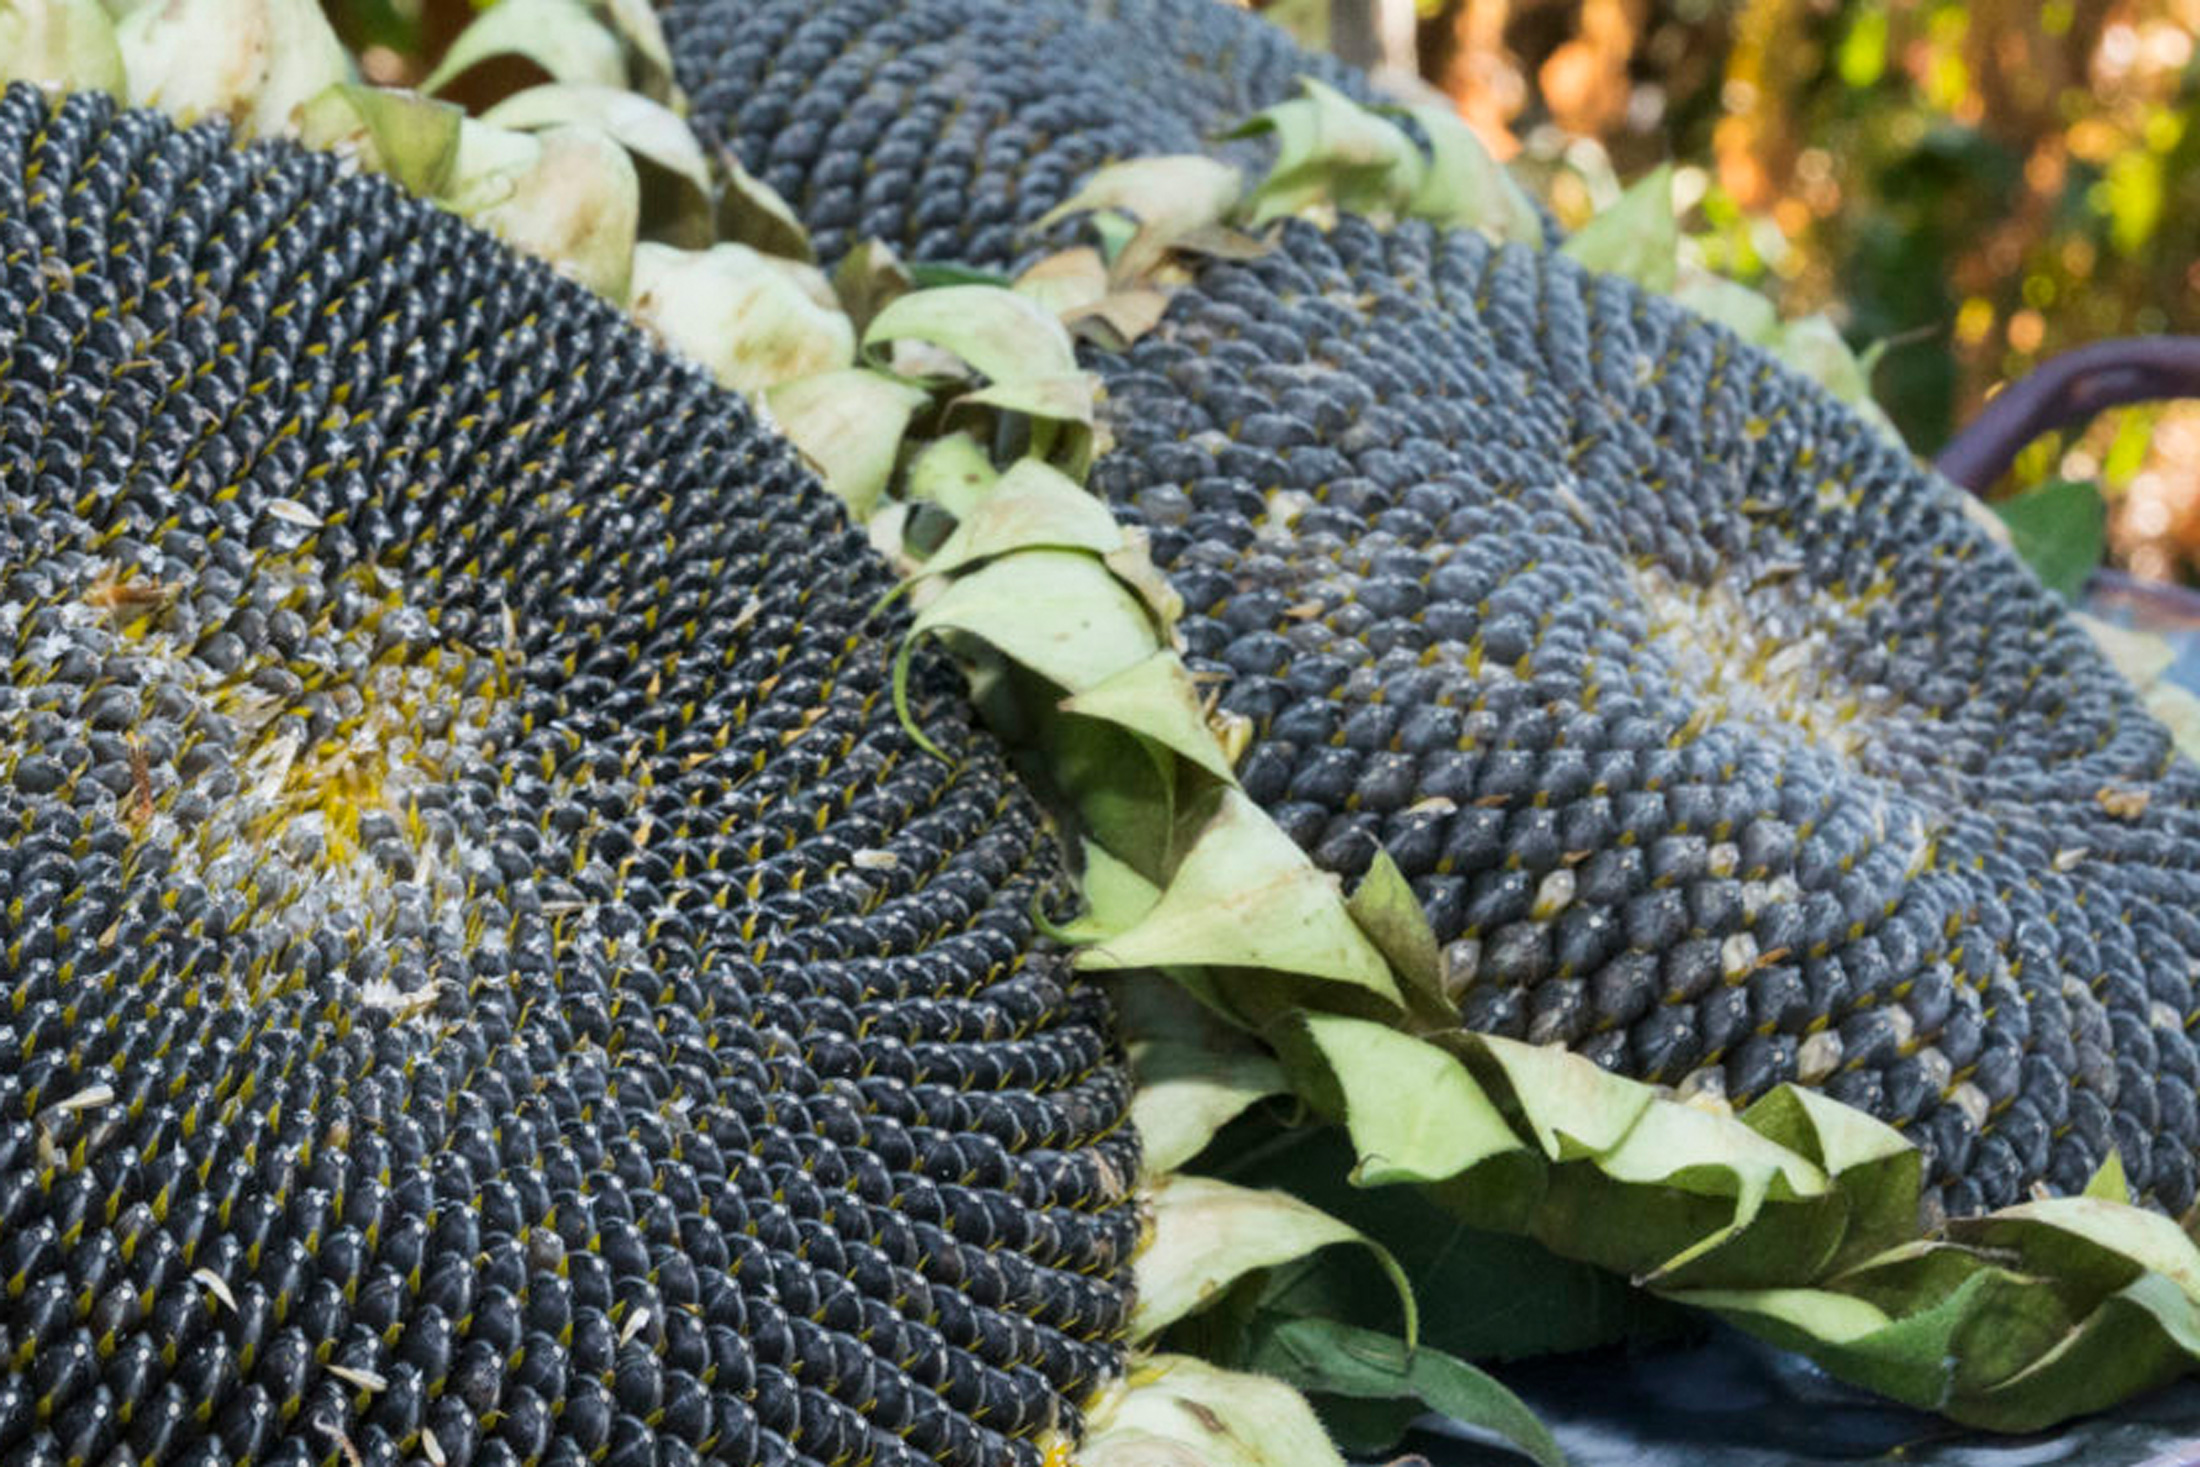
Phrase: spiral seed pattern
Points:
(1716, 743)
(487, 979)
(947, 127)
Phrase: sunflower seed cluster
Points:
(1716, 743)
(487, 978)
(946, 127)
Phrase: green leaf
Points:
(66, 43)
(2179, 712)
(2142, 657)
(2062, 1307)
(1988, 1322)
(1574, 1108)
(1654, 1185)
(1331, 151)
(1124, 786)
(2060, 531)
(1245, 896)
(936, 274)
(563, 37)
(2102, 1245)
(411, 138)
(1679, 1148)
(1876, 1169)
(753, 320)
(652, 133)
(636, 23)
(1065, 282)
(1464, 185)
(1323, 1356)
(1415, 1114)
(1208, 1234)
(568, 195)
(1367, 1427)
(1676, 1145)
(850, 424)
(1736, 307)
(1187, 1093)
(1032, 505)
(1170, 197)
(1181, 1412)
(1195, 1072)
(1133, 566)
(1638, 238)
(643, 127)
(1115, 894)
(1118, 320)
(1813, 345)
(1484, 1294)
(1157, 698)
(490, 164)
(1114, 233)
(751, 212)
(1011, 341)
(953, 473)
(866, 278)
(1388, 912)
(1804, 1316)
(2139, 1338)
(1056, 612)
(1002, 335)
(2108, 1181)
(1069, 397)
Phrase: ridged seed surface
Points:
(947, 127)
(1716, 743)
(486, 977)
